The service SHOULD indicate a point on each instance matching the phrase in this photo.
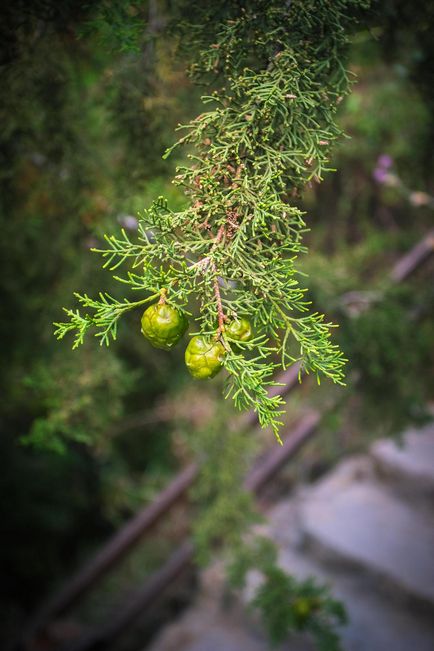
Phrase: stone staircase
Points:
(367, 530)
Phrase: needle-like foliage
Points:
(275, 75)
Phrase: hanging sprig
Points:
(277, 76)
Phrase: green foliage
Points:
(288, 607)
(386, 331)
(79, 398)
(119, 24)
(285, 604)
(226, 509)
(225, 515)
(66, 169)
(232, 250)
(391, 345)
(107, 312)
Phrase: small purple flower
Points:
(380, 175)
(385, 161)
(128, 221)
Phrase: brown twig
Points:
(227, 231)
(220, 313)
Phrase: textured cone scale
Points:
(163, 325)
(239, 330)
(204, 357)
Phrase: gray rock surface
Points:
(229, 640)
(363, 523)
(375, 622)
(412, 463)
(366, 530)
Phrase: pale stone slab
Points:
(412, 461)
(375, 623)
(361, 522)
(227, 640)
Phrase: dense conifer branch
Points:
(277, 76)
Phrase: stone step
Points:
(210, 625)
(409, 464)
(353, 531)
(375, 623)
(218, 639)
(350, 518)
(227, 635)
(245, 640)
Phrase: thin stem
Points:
(226, 230)
(220, 313)
(162, 296)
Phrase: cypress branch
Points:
(277, 76)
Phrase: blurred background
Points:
(91, 96)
